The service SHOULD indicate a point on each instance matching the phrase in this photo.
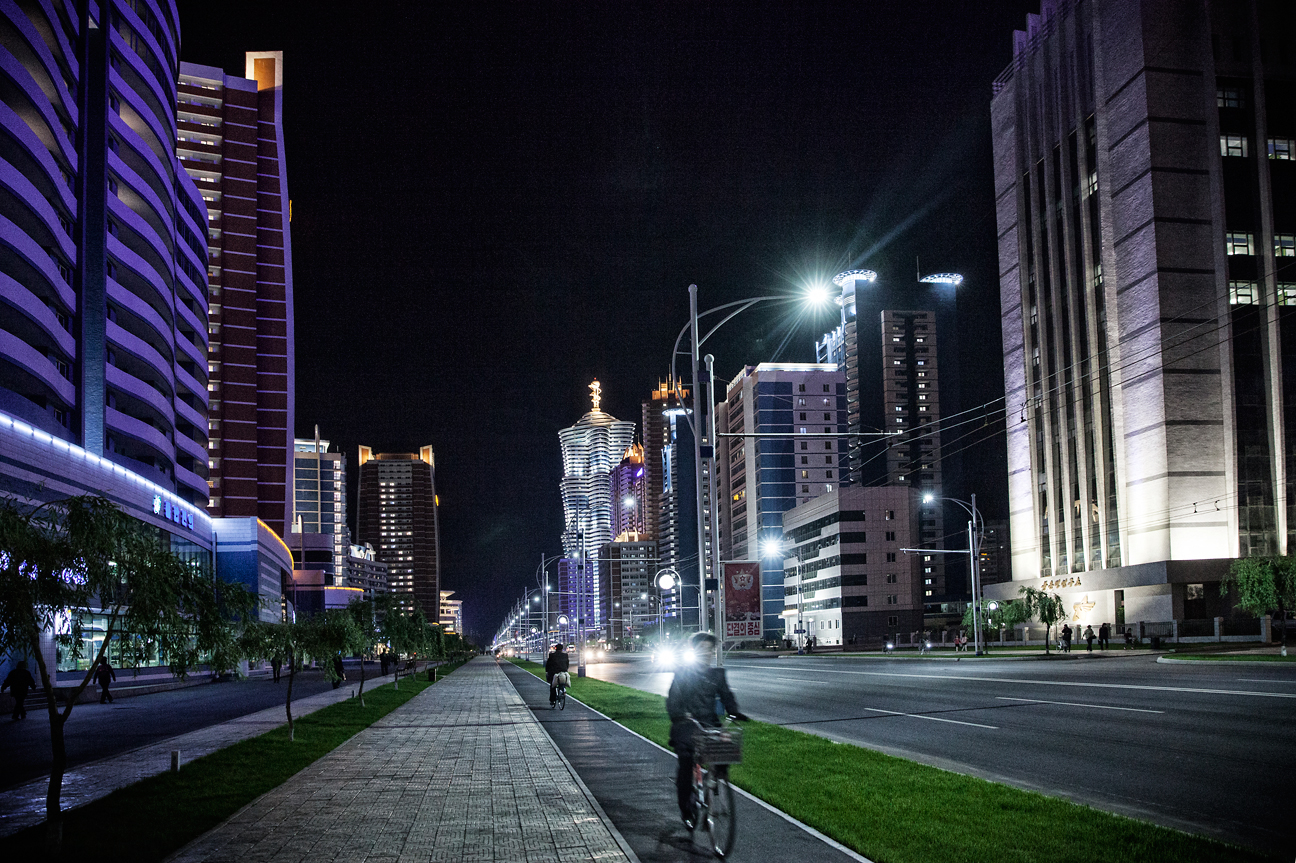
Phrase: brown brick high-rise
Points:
(231, 143)
(397, 515)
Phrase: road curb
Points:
(1167, 660)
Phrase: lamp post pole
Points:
(975, 524)
(702, 453)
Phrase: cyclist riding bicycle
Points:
(557, 661)
(693, 696)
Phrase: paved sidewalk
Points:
(463, 772)
(24, 805)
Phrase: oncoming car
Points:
(668, 657)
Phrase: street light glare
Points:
(818, 295)
(771, 547)
(928, 498)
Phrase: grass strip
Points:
(893, 810)
(179, 807)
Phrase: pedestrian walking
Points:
(1066, 638)
(275, 664)
(385, 661)
(1104, 636)
(1129, 637)
(1089, 637)
(18, 681)
(339, 674)
(103, 676)
(557, 661)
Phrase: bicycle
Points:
(714, 749)
(561, 682)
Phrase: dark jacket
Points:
(104, 674)
(693, 693)
(559, 660)
(19, 681)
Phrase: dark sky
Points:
(495, 203)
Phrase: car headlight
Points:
(688, 655)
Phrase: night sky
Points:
(496, 203)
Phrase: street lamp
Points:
(704, 454)
(666, 580)
(975, 526)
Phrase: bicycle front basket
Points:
(718, 745)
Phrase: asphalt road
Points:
(633, 781)
(97, 731)
(1201, 747)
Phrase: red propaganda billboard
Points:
(742, 599)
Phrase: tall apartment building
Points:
(1147, 209)
(591, 449)
(846, 580)
(671, 492)
(320, 499)
(630, 595)
(793, 420)
(911, 405)
(397, 514)
(841, 346)
(630, 513)
(230, 142)
(103, 282)
(451, 618)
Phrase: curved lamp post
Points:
(975, 526)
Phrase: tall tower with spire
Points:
(591, 450)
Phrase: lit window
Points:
(927, 592)
(1282, 148)
(805, 474)
(1286, 294)
(1285, 245)
(1228, 97)
(1239, 243)
(828, 487)
(1093, 182)
(1233, 145)
(1242, 293)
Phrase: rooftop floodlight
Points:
(771, 547)
(943, 279)
(841, 279)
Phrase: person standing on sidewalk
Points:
(103, 676)
(557, 661)
(18, 682)
(1066, 638)
(693, 695)
(1089, 638)
(1104, 635)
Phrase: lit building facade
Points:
(671, 491)
(792, 422)
(103, 280)
(250, 553)
(451, 617)
(397, 515)
(1147, 209)
(591, 450)
(631, 596)
(319, 499)
(846, 580)
(230, 141)
(630, 513)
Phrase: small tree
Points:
(268, 641)
(1046, 608)
(62, 559)
(1263, 585)
(332, 634)
(1006, 614)
(365, 615)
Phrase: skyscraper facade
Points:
(1147, 204)
(397, 514)
(671, 491)
(630, 512)
(103, 282)
(320, 499)
(591, 450)
(631, 595)
(230, 142)
(791, 423)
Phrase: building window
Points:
(828, 487)
(1195, 591)
(803, 415)
(890, 514)
(1239, 243)
(892, 599)
(827, 416)
(927, 593)
(827, 444)
(1233, 145)
(929, 581)
(801, 389)
(805, 474)
(1285, 245)
(890, 535)
(891, 578)
(1228, 97)
(805, 459)
(1287, 294)
(805, 489)
(805, 445)
(890, 557)
(829, 475)
(893, 621)
(1282, 148)
(826, 389)
(1242, 293)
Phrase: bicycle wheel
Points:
(562, 698)
(721, 823)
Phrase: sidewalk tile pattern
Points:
(24, 805)
(464, 772)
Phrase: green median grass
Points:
(154, 818)
(893, 810)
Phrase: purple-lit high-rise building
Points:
(630, 495)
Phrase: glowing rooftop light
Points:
(943, 279)
(841, 279)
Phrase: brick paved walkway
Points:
(24, 805)
(463, 772)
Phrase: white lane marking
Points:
(1078, 704)
(1048, 682)
(932, 718)
(1263, 680)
